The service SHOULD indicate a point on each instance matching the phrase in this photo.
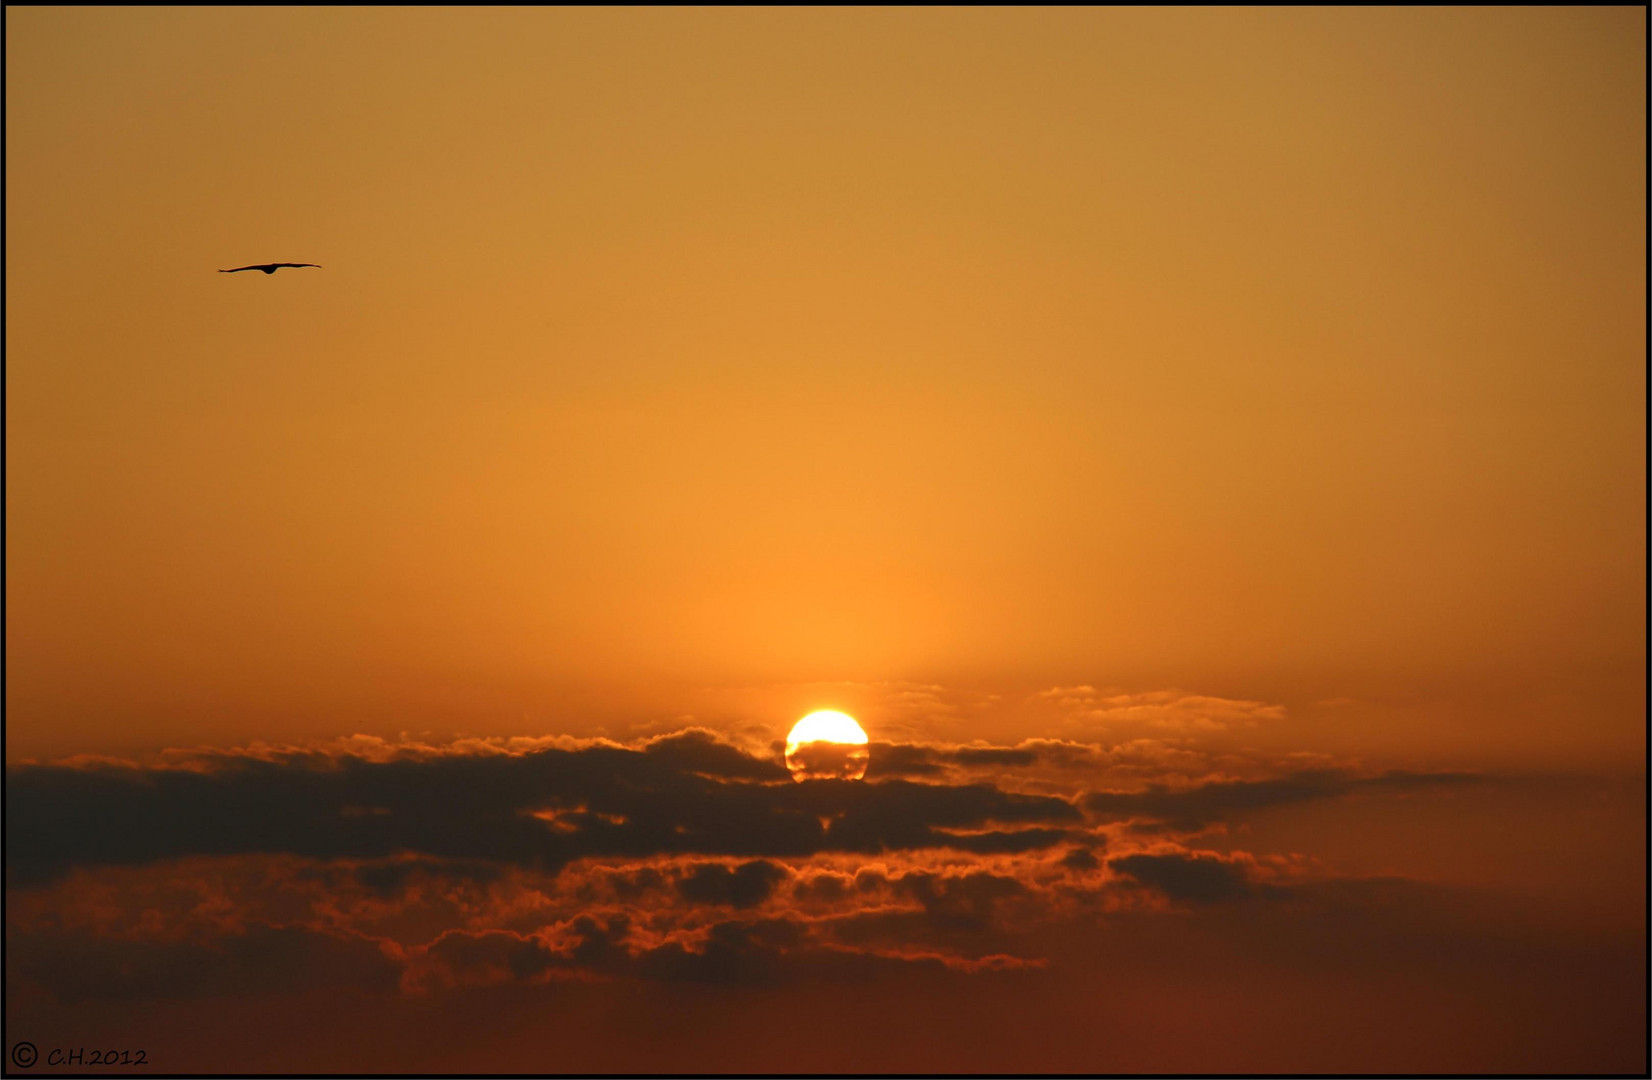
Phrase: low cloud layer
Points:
(687, 793)
(683, 856)
(411, 872)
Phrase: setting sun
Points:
(827, 725)
(827, 745)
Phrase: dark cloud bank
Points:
(682, 794)
(534, 880)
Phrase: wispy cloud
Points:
(1164, 711)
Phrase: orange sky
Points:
(733, 363)
(1204, 448)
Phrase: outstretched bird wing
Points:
(268, 268)
(275, 265)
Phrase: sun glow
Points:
(826, 726)
(827, 745)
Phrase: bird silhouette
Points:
(268, 268)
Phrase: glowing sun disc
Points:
(826, 725)
(827, 745)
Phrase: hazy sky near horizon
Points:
(1205, 448)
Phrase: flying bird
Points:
(268, 268)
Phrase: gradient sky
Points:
(1264, 387)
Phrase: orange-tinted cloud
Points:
(406, 872)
